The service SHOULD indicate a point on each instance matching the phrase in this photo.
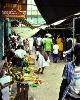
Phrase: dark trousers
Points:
(61, 55)
(55, 57)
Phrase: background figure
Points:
(68, 53)
(61, 50)
(69, 46)
(39, 41)
(30, 43)
(27, 45)
(4, 79)
(60, 44)
(55, 52)
(48, 45)
(35, 43)
(3, 61)
(20, 42)
(20, 54)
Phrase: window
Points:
(33, 13)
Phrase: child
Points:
(55, 52)
(43, 59)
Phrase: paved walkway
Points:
(49, 89)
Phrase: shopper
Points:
(43, 59)
(70, 86)
(48, 45)
(55, 52)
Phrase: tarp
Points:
(55, 10)
(25, 32)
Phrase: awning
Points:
(55, 10)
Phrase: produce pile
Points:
(25, 73)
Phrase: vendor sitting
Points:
(20, 53)
(5, 81)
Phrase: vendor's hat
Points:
(49, 35)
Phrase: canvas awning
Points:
(55, 10)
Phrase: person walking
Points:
(55, 52)
(48, 45)
(43, 59)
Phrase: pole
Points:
(73, 35)
(73, 30)
(3, 39)
(9, 25)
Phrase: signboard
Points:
(15, 9)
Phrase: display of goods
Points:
(12, 97)
(38, 81)
(13, 71)
(26, 61)
(35, 71)
(32, 62)
(29, 76)
(27, 69)
(34, 84)
(19, 76)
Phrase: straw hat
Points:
(48, 34)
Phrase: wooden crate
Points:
(22, 91)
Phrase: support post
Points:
(73, 35)
(1, 37)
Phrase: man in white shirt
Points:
(20, 52)
(55, 52)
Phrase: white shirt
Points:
(55, 49)
(39, 40)
(20, 53)
(5, 91)
(43, 40)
